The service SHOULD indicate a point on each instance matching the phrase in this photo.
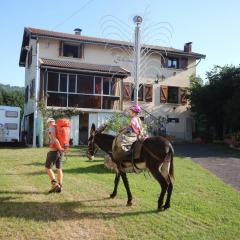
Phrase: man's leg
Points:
(50, 173)
(59, 172)
(60, 176)
(51, 156)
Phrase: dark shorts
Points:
(54, 158)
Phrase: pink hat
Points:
(136, 108)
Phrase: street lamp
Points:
(137, 48)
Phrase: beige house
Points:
(94, 75)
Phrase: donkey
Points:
(156, 155)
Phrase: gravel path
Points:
(222, 163)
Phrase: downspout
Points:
(36, 97)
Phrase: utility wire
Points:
(72, 15)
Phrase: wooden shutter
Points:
(60, 48)
(148, 90)
(163, 94)
(184, 63)
(127, 91)
(183, 96)
(140, 92)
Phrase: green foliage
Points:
(217, 103)
(12, 96)
(117, 122)
(55, 113)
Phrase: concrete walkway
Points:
(219, 161)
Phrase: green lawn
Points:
(203, 207)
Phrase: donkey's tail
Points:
(171, 169)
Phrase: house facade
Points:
(95, 76)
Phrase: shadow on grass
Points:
(24, 192)
(54, 211)
(98, 168)
(34, 164)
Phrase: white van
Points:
(9, 123)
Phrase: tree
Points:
(216, 104)
(12, 96)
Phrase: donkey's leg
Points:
(116, 182)
(126, 184)
(164, 170)
(154, 169)
(169, 193)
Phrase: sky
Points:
(212, 26)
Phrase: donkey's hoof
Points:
(129, 204)
(160, 209)
(166, 206)
(112, 195)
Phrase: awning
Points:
(83, 67)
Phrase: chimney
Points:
(188, 47)
(77, 31)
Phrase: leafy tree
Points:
(12, 96)
(216, 104)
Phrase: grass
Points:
(203, 207)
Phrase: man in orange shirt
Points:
(54, 157)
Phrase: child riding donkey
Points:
(125, 145)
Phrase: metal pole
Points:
(137, 48)
(35, 117)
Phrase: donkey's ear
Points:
(102, 128)
(93, 128)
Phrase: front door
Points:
(83, 128)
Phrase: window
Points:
(11, 126)
(173, 120)
(32, 88)
(84, 84)
(83, 91)
(98, 85)
(84, 101)
(173, 94)
(53, 81)
(72, 83)
(57, 99)
(173, 63)
(63, 82)
(71, 50)
(11, 114)
(106, 86)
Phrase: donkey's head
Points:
(92, 145)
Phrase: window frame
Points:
(169, 95)
(172, 66)
(80, 48)
(101, 94)
(11, 112)
(7, 124)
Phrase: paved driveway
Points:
(219, 161)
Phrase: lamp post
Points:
(137, 48)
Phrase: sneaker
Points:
(54, 187)
(59, 188)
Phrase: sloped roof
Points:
(84, 67)
(30, 32)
